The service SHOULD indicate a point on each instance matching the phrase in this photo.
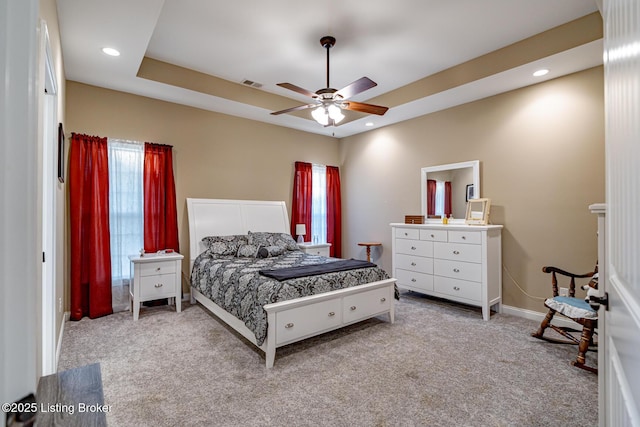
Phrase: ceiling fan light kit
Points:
(328, 102)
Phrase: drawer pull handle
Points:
(158, 285)
(332, 313)
(455, 288)
(158, 269)
(456, 252)
(353, 308)
(383, 299)
(289, 325)
(464, 237)
(413, 264)
(406, 234)
(456, 270)
(432, 236)
(413, 279)
(413, 248)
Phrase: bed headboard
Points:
(221, 217)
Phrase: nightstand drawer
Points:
(321, 249)
(318, 251)
(158, 286)
(157, 267)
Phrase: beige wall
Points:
(540, 148)
(541, 152)
(215, 155)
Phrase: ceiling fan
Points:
(329, 102)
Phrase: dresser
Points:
(457, 262)
(155, 276)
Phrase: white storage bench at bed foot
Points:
(302, 322)
(295, 320)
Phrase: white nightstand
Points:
(155, 276)
(321, 249)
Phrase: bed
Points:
(288, 320)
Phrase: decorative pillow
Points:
(273, 239)
(247, 251)
(224, 245)
(270, 251)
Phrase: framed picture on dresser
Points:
(469, 194)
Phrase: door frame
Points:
(47, 185)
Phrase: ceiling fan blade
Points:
(297, 89)
(289, 110)
(356, 87)
(365, 108)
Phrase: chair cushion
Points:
(574, 308)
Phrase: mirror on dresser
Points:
(461, 180)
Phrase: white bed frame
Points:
(288, 321)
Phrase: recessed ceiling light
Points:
(369, 124)
(541, 72)
(110, 51)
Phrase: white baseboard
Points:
(59, 346)
(537, 316)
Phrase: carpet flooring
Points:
(439, 364)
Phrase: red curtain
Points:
(89, 227)
(334, 212)
(431, 197)
(447, 198)
(160, 213)
(301, 200)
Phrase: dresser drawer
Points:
(414, 247)
(157, 286)
(472, 237)
(457, 252)
(407, 233)
(414, 263)
(157, 267)
(458, 288)
(414, 279)
(434, 235)
(457, 269)
(366, 304)
(302, 321)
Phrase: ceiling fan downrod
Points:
(327, 42)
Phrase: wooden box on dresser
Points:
(457, 262)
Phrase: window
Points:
(126, 159)
(319, 204)
(440, 198)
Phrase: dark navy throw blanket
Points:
(281, 274)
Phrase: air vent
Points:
(251, 83)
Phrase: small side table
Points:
(321, 249)
(155, 276)
(368, 245)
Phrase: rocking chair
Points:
(575, 309)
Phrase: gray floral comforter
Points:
(234, 283)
